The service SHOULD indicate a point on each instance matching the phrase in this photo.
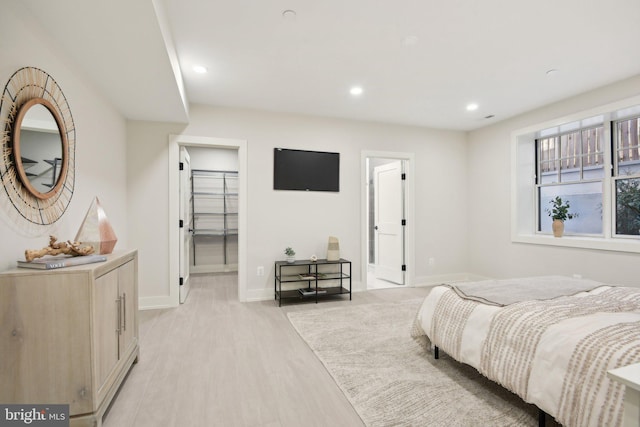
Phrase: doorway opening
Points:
(208, 203)
(387, 212)
(213, 210)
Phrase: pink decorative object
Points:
(96, 230)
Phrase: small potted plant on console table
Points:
(291, 255)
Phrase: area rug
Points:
(391, 380)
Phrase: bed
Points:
(550, 340)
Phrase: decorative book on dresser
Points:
(69, 335)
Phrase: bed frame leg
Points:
(541, 418)
(436, 352)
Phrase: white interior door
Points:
(185, 217)
(389, 232)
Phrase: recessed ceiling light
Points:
(356, 90)
(472, 107)
(551, 72)
(289, 15)
(199, 69)
(410, 40)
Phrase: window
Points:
(593, 160)
(570, 165)
(627, 177)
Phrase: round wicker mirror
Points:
(37, 169)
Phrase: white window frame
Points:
(524, 209)
(616, 177)
(578, 127)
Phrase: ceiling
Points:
(419, 62)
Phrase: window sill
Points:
(599, 243)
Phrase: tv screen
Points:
(305, 170)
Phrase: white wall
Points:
(277, 219)
(462, 182)
(100, 136)
(213, 158)
(492, 253)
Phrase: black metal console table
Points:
(316, 280)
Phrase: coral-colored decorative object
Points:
(96, 230)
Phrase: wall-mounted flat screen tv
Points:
(305, 170)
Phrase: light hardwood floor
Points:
(214, 361)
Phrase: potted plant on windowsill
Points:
(291, 254)
(559, 213)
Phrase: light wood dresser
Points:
(69, 335)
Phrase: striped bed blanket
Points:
(553, 353)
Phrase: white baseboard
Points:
(259, 294)
(155, 303)
(267, 293)
(207, 269)
(358, 286)
(447, 278)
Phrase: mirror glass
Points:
(41, 148)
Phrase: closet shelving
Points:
(214, 207)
